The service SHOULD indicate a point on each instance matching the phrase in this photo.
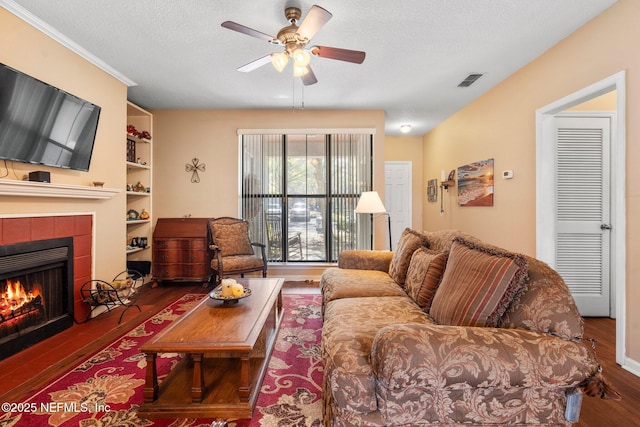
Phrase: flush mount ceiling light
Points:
(405, 128)
(294, 38)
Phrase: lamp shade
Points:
(300, 70)
(370, 203)
(279, 60)
(301, 57)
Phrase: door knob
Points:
(605, 227)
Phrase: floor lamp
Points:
(370, 203)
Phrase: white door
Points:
(397, 197)
(583, 219)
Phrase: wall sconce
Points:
(444, 185)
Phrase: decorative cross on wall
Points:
(194, 167)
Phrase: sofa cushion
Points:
(409, 241)
(348, 332)
(546, 305)
(478, 285)
(337, 283)
(232, 238)
(423, 276)
(237, 262)
(360, 259)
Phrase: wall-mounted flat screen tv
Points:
(44, 125)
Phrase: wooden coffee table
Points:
(227, 349)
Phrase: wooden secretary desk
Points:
(181, 250)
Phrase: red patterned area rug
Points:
(106, 389)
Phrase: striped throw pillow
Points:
(423, 276)
(478, 285)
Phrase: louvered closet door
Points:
(583, 210)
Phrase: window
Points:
(299, 193)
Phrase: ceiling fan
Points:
(294, 38)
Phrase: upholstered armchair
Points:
(233, 251)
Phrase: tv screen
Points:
(44, 125)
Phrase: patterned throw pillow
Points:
(423, 276)
(478, 285)
(233, 239)
(409, 241)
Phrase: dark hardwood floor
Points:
(28, 370)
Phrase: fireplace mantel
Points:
(45, 189)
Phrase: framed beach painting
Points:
(475, 184)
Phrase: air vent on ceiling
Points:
(469, 80)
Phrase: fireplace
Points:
(36, 292)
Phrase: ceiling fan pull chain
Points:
(293, 94)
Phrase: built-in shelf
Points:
(137, 193)
(132, 165)
(47, 189)
(131, 250)
(139, 172)
(137, 221)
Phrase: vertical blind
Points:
(281, 177)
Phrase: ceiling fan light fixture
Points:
(279, 60)
(299, 70)
(301, 57)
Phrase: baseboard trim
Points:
(631, 366)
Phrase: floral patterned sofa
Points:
(448, 330)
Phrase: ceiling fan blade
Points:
(248, 31)
(255, 64)
(315, 19)
(309, 78)
(347, 55)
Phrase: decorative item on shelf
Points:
(138, 242)
(131, 130)
(139, 188)
(131, 150)
(129, 187)
(144, 135)
(98, 183)
(144, 214)
(141, 162)
(132, 215)
(194, 167)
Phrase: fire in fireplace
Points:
(36, 292)
(19, 308)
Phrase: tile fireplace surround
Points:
(80, 227)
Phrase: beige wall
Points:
(211, 136)
(501, 125)
(606, 102)
(409, 149)
(30, 51)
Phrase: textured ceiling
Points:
(417, 50)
